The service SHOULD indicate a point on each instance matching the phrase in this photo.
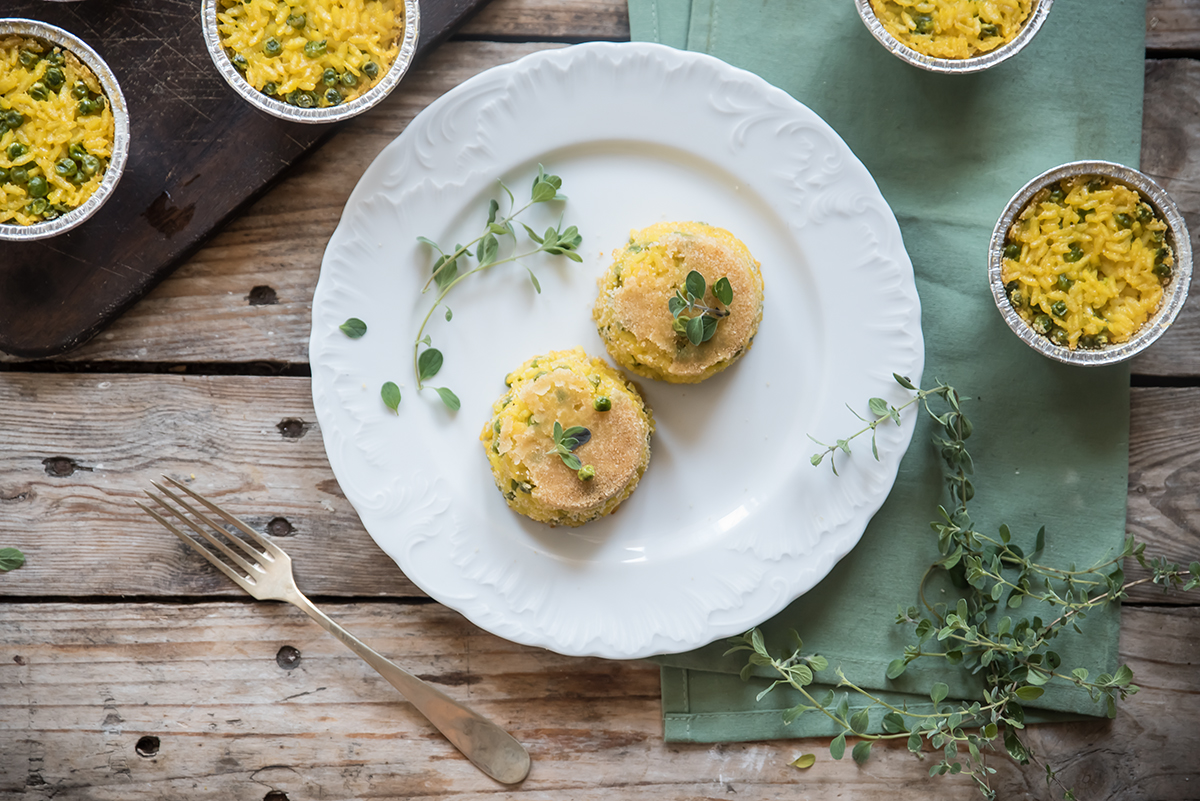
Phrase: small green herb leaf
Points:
(862, 751)
(860, 720)
(449, 398)
(1029, 693)
(804, 761)
(896, 668)
(904, 381)
(11, 559)
(694, 283)
(695, 330)
(676, 305)
(938, 692)
(837, 748)
(429, 363)
(353, 328)
(878, 406)
(723, 291)
(391, 396)
(449, 314)
(533, 278)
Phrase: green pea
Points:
(16, 150)
(1012, 251)
(272, 47)
(1083, 213)
(66, 167)
(89, 165)
(302, 99)
(19, 175)
(333, 97)
(297, 21)
(315, 49)
(370, 69)
(270, 88)
(37, 207)
(330, 77)
(1057, 195)
(39, 91)
(1160, 255)
(924, 23)
(987, 30)
(602, 404)
(54, 78)
(13, 119)
(79, 90)
(37, 187)
(1074, 254)
(1058, 308)
(51, 214)
(1042, 323)
(56, 58)
(349, 78)
(1163, 271)
(85, 107)
(3, 176)
(1016, 298)
(1095, 185)
(1059, 336)
(1144, 214)
(586, 473)
(1123, 220)
(29, 59)
(1064, 283)
(1157, 237)
(77, 151)
(239, 61)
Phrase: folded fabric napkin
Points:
(1051, 441)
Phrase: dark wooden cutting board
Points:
(197, 154)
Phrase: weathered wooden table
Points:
(128, 670)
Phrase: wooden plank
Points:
(197, 153)
(1171, 155)
(71, 470)
(565, 20)
(80, 685)
(247, 295)
(1173, 25)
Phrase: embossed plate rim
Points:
(730, 144)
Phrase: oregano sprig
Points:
(450, 266)
(702, 324)
(1014, 656)
(565, 443)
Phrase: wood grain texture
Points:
(77, 451)
(80, 685)
(197, 153)
(1173, 25)
(566, 20)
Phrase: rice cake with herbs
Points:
(562, 393)
(643, 310)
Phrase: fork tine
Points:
(236, 558)
(236, 577)
(262, 541)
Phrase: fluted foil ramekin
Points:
(955, 66)
(1174, 294)
(120, 112)
(262, 102)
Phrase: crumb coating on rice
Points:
(953, 28)
(632, 313)
(56, 131)
(567, 387)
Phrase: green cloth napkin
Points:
(1051, 441)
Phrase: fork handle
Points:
(489, 747)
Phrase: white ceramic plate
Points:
(731, 521)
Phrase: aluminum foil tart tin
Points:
(277, 108)
(1174, 294)
(120, 112)
(955, 66)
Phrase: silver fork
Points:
(268, 576)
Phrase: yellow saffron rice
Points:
(571, 389)
(1086, 262)
(952, 28)
(56, 131)
(312, 53)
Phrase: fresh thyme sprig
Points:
(485, 249)
(703, 325)
(565, 443)
(1014, 658)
